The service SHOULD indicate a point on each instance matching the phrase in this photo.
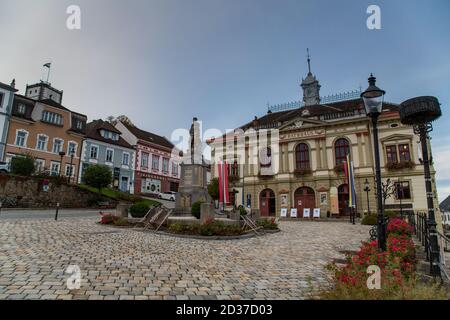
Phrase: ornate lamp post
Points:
(373, 103)
(420, 112)
(61, 154)
(367, 190)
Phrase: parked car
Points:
(170, 195)
(4, 167)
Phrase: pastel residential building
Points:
(6, 100)
(105, 145)
(45, 129)
(157, 162)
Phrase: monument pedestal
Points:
(193, 188)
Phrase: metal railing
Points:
(419, 222)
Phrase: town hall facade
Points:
(313, 138)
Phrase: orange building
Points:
(47, 130)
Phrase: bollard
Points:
(57, 209)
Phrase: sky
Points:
(162, 62)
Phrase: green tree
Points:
(22, 165)
(98, 176)
(213, 188)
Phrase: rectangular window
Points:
(20, 138)
(72, 148)
(42, 143)
(155, 162)
(174, 169)
(404, 152)
(165, 165)
(57, 145)
(94, 152)
(51, 117)
(21, 109)
(69, 170)
(39, 165)
(54, 168)
(109, 155)
(144, 160)
(402, 190)
(391, 154)
(79, 125)
(126, 159)
(1, 99)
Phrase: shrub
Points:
(121, 222)
(267, 224)
(108, 218)
(97, 176)
(195, 209)
(213, 188)
(398, 226)
(210, 228)
(22, 165)
(369, 220)
(139, 209)
(391, 214)
(242, 211)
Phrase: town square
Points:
(224, 151)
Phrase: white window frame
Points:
(68, 165)
(52, 117)
(42, 162)
(112, 155)
(96, 153)
(75, 149)
(142, 159)
(167, 160)
(46, 142)
(24, 140)
(21, 108)
(62, 145)
(129, 157)
(51, 167)
(174, 166)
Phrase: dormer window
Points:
(79, 125)
(21, 109)
(109, 135)
(51, 117)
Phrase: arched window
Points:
(302, 156)
(265, 157)
(341, 149)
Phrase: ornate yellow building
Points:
(302, 164)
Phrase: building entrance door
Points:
(267, 204)
(304, 198)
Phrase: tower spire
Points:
(309, 61)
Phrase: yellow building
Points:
(301, 165)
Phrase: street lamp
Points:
(373, 103)
(367, 190)
(420, 112)
(61, 154)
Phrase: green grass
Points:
(118, 195)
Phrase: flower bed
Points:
(110, 219)
(268, 224)
(397, 266)
(209, 228)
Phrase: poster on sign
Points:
(306, 213)
(316, 213)
(283, 213)
(294, 213)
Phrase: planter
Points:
(400, 165)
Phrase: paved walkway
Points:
(129, 264)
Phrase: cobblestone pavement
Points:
(131, 264)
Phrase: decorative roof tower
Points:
(310, 86)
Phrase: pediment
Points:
(397, 136)
(300, 123)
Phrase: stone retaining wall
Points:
(28, 192)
